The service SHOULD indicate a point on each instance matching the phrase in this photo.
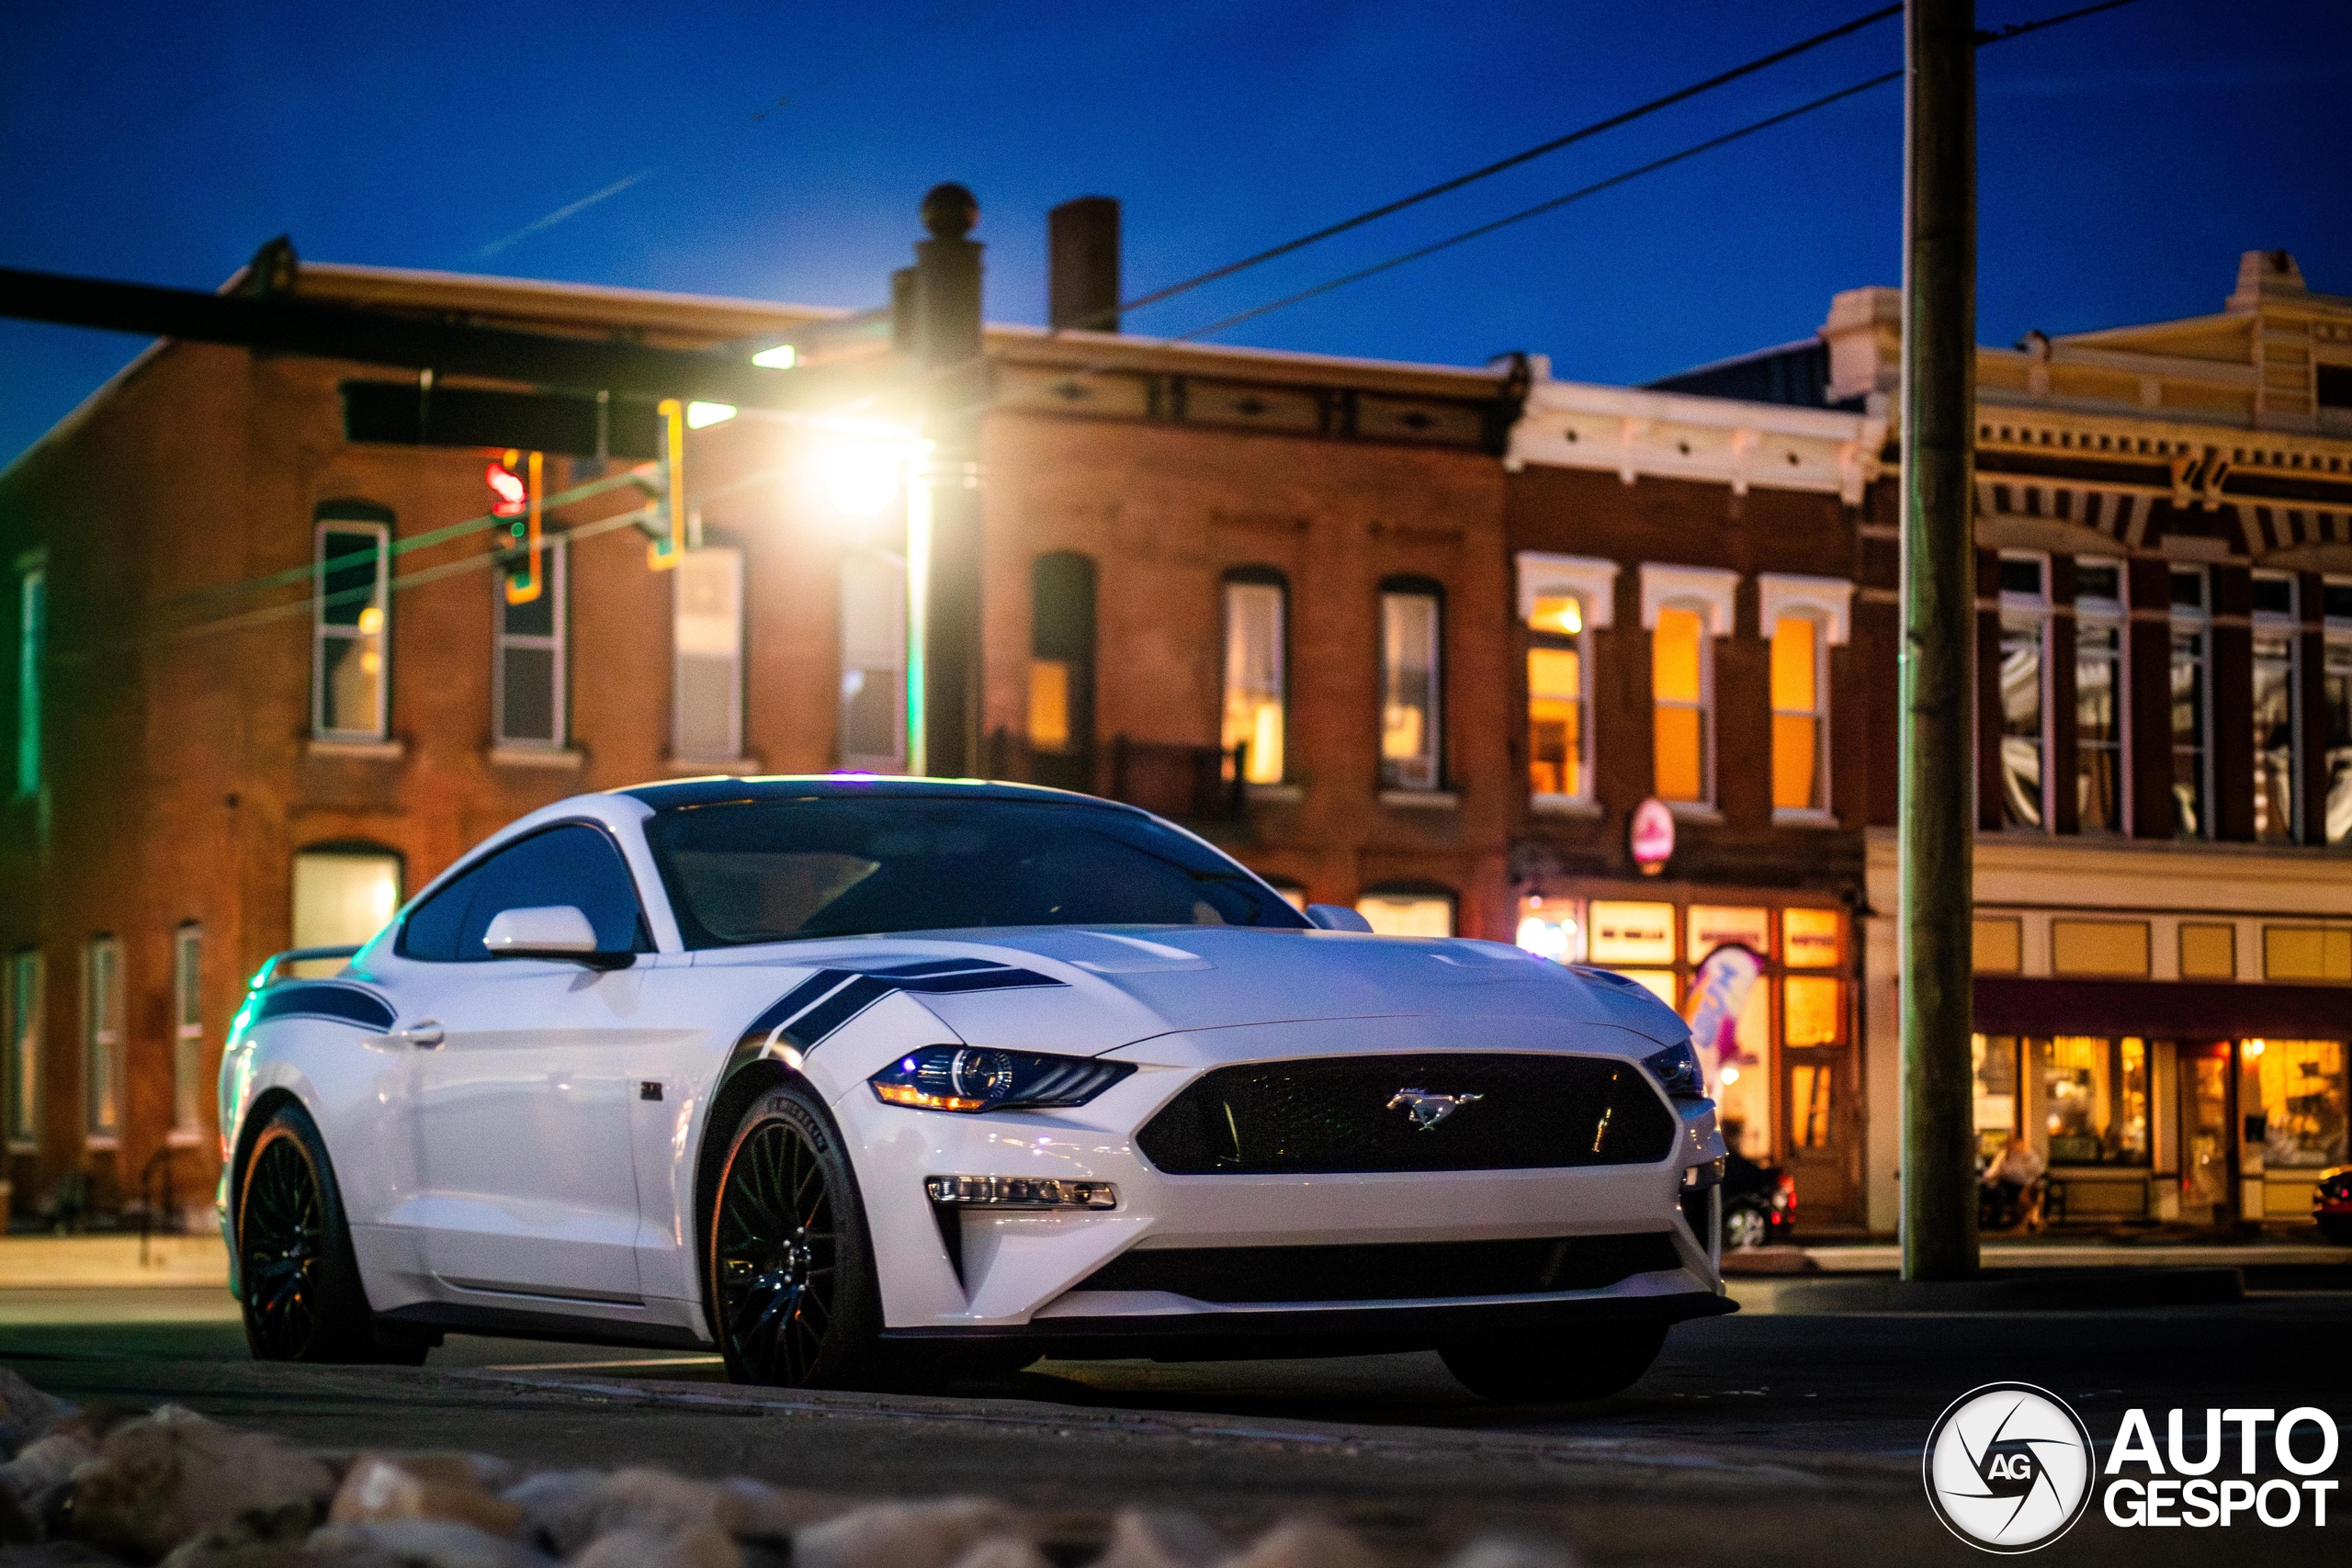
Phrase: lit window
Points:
(102, 1064)
(1255, 697)
(1809, 938)
(187, 1028)
(2100, 711)
(342, 898)
(2192, 719)
(2025, 631)
(32, 632)
(873, 728)
(350, 668)
(28, 976)
(1811, 1006)
(1811, 1087)
(1410, 756)
(1061, 670)
(1679, 681)
(528, 673)
(1558, 759)
(2302, 1100)
(2336, 690)
(2095, 1098)
(706, 716)
(1994, 1058)
(1800, 717)
(1409, 914)
(1550, 927)
(2274, 708)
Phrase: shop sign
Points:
(1652, 834)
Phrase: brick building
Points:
(268, 683)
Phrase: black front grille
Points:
(1342, 1113)
(1388, 1271)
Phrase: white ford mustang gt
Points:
(867, 1081)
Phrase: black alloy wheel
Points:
(297, 1276)
(776, 1254)
(281, 1236)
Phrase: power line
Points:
(1595, 128)
(1983, 38)
(1538, 209)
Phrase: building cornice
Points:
(1637, 434)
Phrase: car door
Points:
(524, 1070)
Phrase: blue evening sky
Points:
(778, 151)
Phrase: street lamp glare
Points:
(783, 356)
(861, 477)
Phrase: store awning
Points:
(2162, 1010)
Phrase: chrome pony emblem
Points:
(1428, 1110)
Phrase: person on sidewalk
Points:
(2014, 1188)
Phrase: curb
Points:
(2039, 1289)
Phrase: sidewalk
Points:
(2033, 1275)
(90, 1262)
(2065, 1252)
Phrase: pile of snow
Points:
(78, 1490)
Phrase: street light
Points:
(861, 475)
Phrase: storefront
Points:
(1783, 1060)
(2165, 1025)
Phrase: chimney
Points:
(1082, 264)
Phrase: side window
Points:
(563, 865)
(430, 932)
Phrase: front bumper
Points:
(997, 1273)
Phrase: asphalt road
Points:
(1756, 1439)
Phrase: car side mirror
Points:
(1336, 918)
(553, 931)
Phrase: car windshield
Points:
(856, 866)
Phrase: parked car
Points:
(1759, 1203)
(865, 1082)
(2332, 1204)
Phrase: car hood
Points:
(1105, 987)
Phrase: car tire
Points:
(788, 1273)
(298, 1278)
(1556, 1370)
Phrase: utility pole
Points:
(943, 547)
(1939, 629)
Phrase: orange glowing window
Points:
(1798, 720)
(1555, 721)
(1679, 719)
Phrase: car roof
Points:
(675, 793)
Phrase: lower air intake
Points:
(1387, 1271)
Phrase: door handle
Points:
(424, 1032)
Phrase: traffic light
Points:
(514, 482)
(665, 524)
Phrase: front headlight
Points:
(1676, 1070)
(981, 1077)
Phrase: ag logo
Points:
(2009, 1467)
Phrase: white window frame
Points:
(187, 1033)
(2018, 609)
(866, 658)
(710, 557)
(321, 633)
(1828, 603)
(1433, 740)
(1592, 583)
(1709, 591)
(29, 761)
(27, 1023)
(2109, 615)
(2289, 626)
(555, 566)
(103, 1061)
(2197, 618)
